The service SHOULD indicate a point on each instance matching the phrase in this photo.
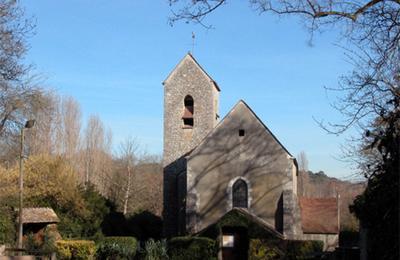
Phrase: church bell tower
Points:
(191, 100)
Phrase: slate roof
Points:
(319, 215)
(39, 215)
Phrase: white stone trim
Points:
(229, 192)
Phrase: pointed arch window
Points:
(240, 194)
(188, 112)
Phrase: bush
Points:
(263, 249)
(7, 226)
(155, 250)
(192, 248)
(75, 249)
(141, 225)
(298, 249)
(348, 238)
(40, 243)
(144, 225)
(116, 248)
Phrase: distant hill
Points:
(320, 185)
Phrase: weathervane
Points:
(193, 39)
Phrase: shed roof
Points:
(39, 215)
(319, 215)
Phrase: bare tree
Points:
(97, 158)
(18, 95)
(302, 161)
(71, 124)
(372, 28)
(57, 129)
(40, 139)
(136, 180)
(369, 96)
(129, 158)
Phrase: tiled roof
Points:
(39, 215)
(319, 215)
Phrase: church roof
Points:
(190, 57)
(241, 103)
(259, 221)
(39, 215)
(230, 218)
(319, 215)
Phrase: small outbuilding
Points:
(320, 220)
(39, 220)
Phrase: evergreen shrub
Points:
(192, 248)
(263, 249)
(299, 249)
(7, 225)
(41, 243)
(75, 249)
(116, 248)
(155, 250)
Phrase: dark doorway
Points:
(235, 243)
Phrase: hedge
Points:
(116, 248)
(193, 248)
(75, 249)
(260, 249)
(7, 226)
(303, 249)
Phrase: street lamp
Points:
(28, 124)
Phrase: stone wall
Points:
(188, 78)
(291, 216)
(171, 202)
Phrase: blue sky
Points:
(112, 56)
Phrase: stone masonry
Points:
(188, 78)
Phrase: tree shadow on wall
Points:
(142, 225)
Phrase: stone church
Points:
(213, 166)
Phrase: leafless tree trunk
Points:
(39, 139)
(128, 189)
(71, 124)
(129, 158)
(371, 28)
(96, 151)
(18, 94)
(302, 161)
(57, 129)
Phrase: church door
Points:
(235, 243)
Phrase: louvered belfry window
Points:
(188, 112)
(239, 194)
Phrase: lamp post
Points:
(28, 124)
